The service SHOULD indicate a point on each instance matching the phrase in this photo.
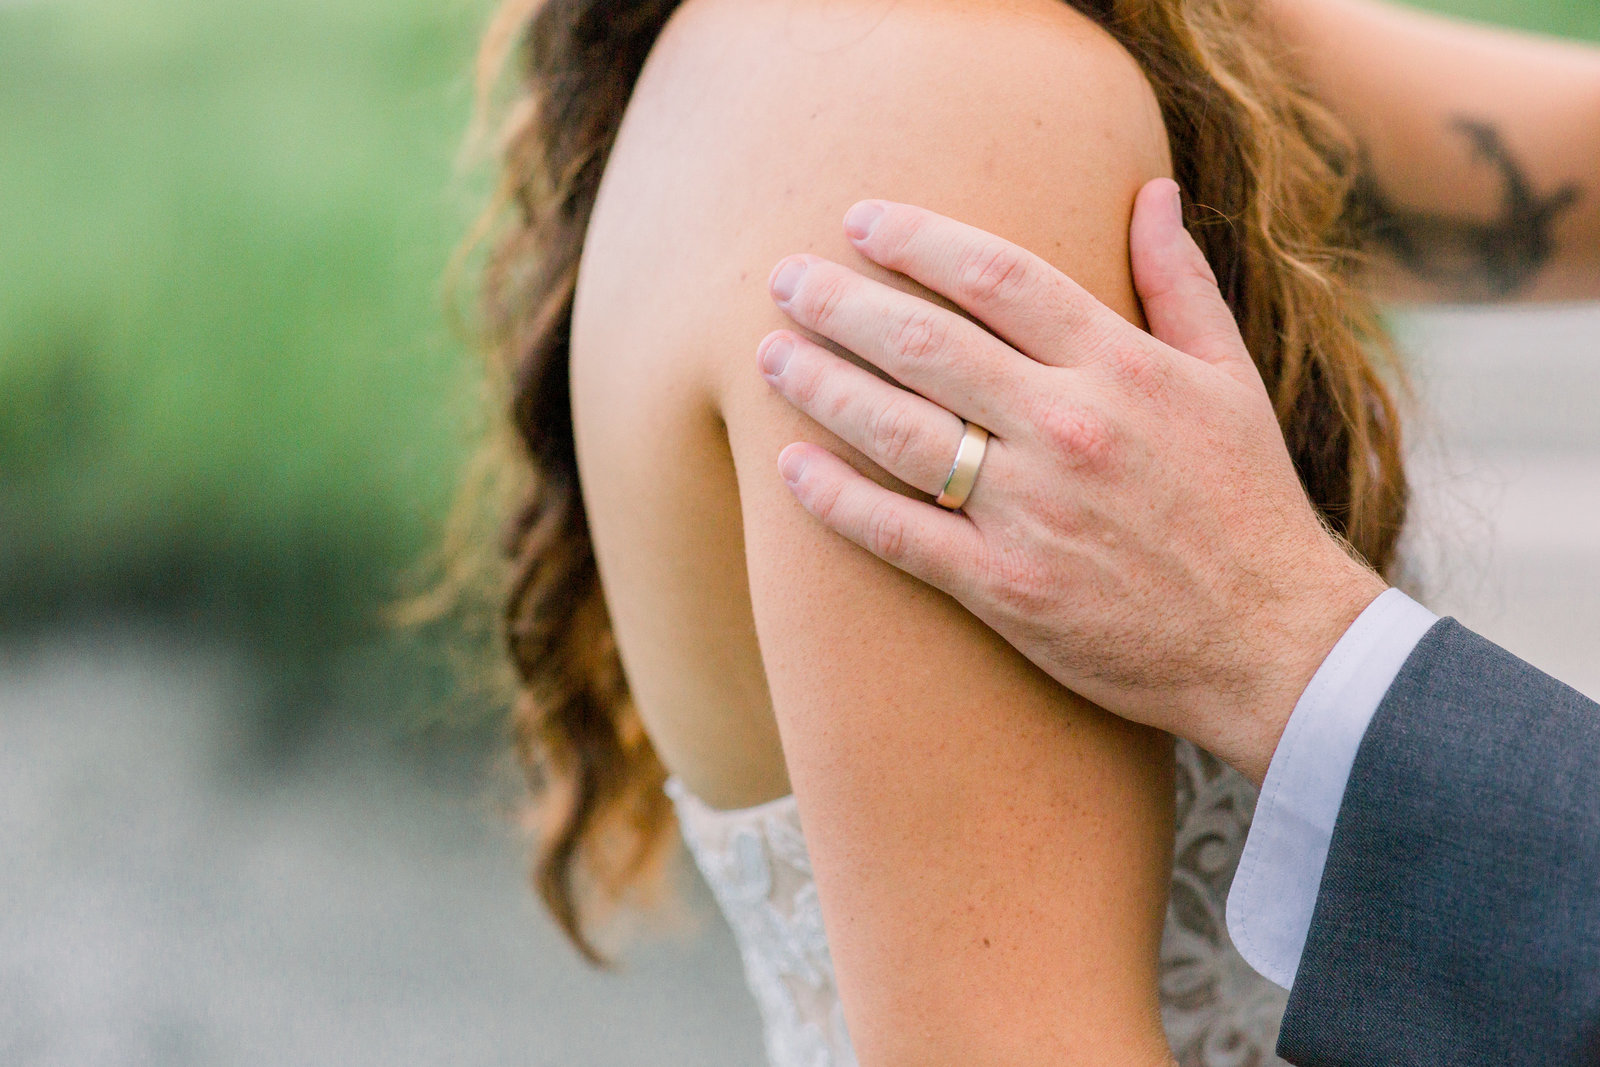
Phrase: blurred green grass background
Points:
(227, 390)
(227, 387)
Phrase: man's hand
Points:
(1137, 528)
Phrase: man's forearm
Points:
(1480, 148)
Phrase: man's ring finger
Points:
(964, 470)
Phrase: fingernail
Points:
(792, 464)
(775, 355)
(860, 219)
(786, 279)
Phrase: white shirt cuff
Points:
(1275, 888)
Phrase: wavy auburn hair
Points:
(1268, 177)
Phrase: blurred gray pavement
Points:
(163, 902)
(1506, 472)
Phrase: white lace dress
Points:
(1217, 1011)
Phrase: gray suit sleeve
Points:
(1458, 920)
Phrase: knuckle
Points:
(920, 334)
(1017, 581)
(993, 272)
(803, 382)
(1161, 283)
(897, 232)
(1080, 434)
(822, 295)
(824, 502)
(885, 531)
(890, 433)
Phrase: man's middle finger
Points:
(934, 351)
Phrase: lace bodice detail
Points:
(757, 866)
(1217, 1011)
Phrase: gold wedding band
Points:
(964, 471)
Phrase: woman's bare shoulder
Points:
(897, 47)
(875, 88)
(756, 123)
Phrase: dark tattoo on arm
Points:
(1482, 260)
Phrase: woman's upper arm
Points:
(1481, 145)
(991, 852)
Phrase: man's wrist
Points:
(1274, 893)
(1294, 640)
